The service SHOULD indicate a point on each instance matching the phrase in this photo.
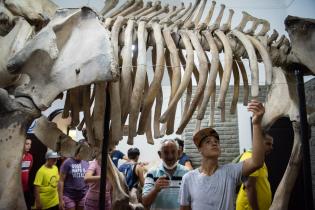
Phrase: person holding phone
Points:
(162, 184)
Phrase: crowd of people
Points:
(172, 185)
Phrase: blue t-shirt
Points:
(128, 169)
(116, 156)
(183, 159)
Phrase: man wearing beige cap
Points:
(212, 186)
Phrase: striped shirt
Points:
(167, 199)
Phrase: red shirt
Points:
(26, 165)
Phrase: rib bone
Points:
(212, 107)
(75, 94)
(202, 80)
(265, 56)
(157, 114)
(228, 56)
(139, 81)
(235, 88)
(212, 76)
(189, 87)
(126, 71)
(114, 87)
(148, 131)
(245, 81)
(87, 114)
(186, 77)
(252, 61)
(176, 74)
(156, 83)
(168, 127)
(99, 113)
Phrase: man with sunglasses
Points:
(212, 186)
(161, 186)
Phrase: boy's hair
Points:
(29, 136)
(203, 134)
(266, 135)
(180, 142)
(133, 153)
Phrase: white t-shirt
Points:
(215, 192)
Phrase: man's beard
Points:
(169, 167)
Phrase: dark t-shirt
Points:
(183, 159)
(74, 185)
(128, 169)
(116, 156)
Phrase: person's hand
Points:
(61, 204)
(161, 182)
(142, 164)
(258, 111)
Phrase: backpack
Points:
(128, 169)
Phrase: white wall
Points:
(244, 129)
(301, 8)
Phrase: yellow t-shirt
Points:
(262, 188)
(47, 181)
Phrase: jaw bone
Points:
(54, 45)
(302, 37)
(10, 44)
(16, 115)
